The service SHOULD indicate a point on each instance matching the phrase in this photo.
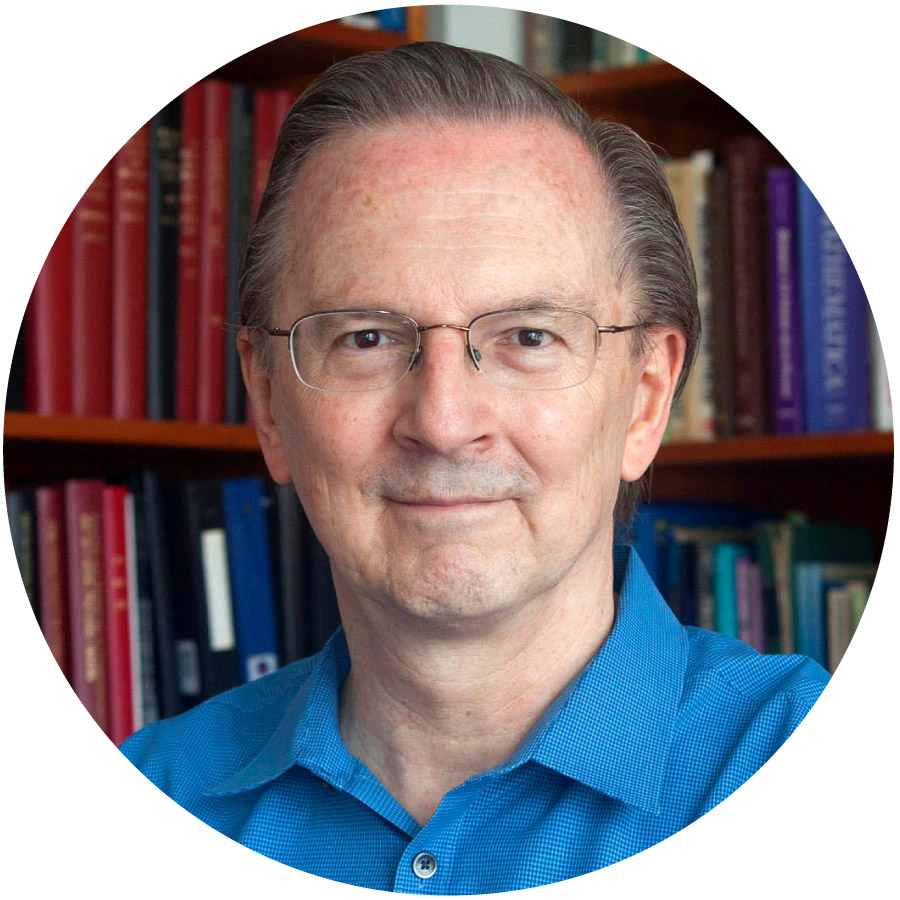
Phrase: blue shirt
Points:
(663, 724)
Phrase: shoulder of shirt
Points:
(717, 660)
(219, 735)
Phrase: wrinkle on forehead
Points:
(365, 193)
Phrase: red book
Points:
(91, 325)
(265, 135)
(129, 279)
(746, 159)
(188, 241)
(48, 322)
(118, 638)
(284, 100)
(84, 534)
(213, 252)
(52, 572)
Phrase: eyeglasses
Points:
(530, 349)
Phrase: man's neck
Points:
(424, 713)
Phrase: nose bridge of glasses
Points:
(471, 352)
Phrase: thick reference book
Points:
(785, 328)
(213, 249)
(48, 332)
(747, 159)
(288, 550)
(53, 572)
(84, 531)
(240, 199)
(247, 531)
(155, 583)
(188, 254)
(21, 507)
(162, 259)
(117, 616)
(205, 638)
(91, 323)
(835, 324)
(129, 278)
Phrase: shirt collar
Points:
(610, 729)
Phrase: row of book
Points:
(154, 595)
(789, 342)
(129, 316)
(781, 585)
(555, 47)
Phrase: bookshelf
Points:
(833, 477)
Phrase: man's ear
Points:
(259, 392)
(658, 374)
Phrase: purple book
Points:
(786, 333)
(751, 627)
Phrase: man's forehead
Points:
(486, 210)
(373, 164)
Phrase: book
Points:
(751, 625)
(117, 617)
(205, 639)
(265, 136)
(290, 570)
(84, 531)
(240, 199)
(721, 308)
(188, 254)
(835, 326)
(53, 573)
(725, 558)
(811, 581)
(213, 238)
(157, 593)
(162, 259)
(15, 387)
(250, 566)
(746, 159)
(90, 328)
(882, 412)
(21, 508)
(785, 329)
(129, 278)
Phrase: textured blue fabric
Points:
(662, 725)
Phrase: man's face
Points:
(446, 497)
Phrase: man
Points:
(467, 311)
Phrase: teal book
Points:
(725, 557)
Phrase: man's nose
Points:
(446, 407)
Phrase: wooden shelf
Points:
(135, 433)
(304, 54)
(662, 103)
(778, 448)
(19, 427)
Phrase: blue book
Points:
(725, 557)
(835, 328)
(809, 611)
(785, 328)
(250, 568)
(392, 19)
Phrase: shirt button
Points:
(424, 865)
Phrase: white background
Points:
(80, 78)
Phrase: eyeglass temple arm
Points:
(615, 329)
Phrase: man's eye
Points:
(532, 337)
(364, 339)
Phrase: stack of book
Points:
(789, 342)
(781, 585)
(129, 316)
(154, 595)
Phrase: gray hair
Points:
(435, 82)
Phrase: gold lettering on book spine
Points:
(92, 595)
